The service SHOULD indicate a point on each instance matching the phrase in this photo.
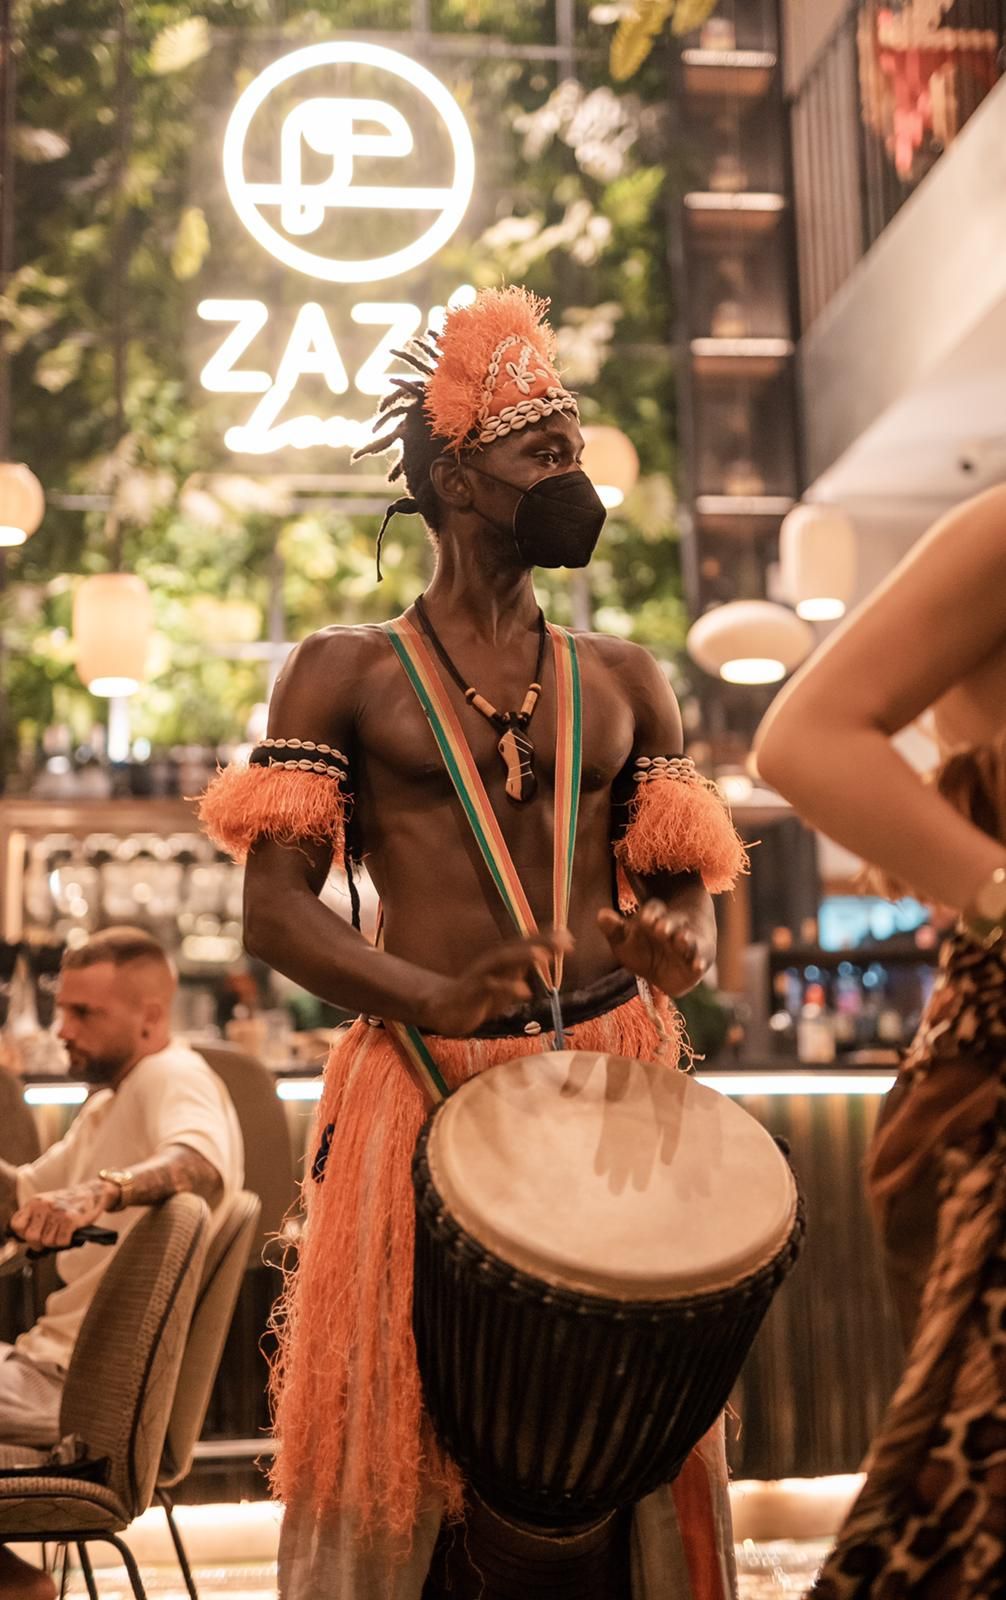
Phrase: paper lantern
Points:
(113, 618)
(610, 462)
(21, 503)
(749, 641)
(817, 555)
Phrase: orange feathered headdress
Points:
(495, 369)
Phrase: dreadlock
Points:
(401, 420)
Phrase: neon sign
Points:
(332, 126)
(311, 350)
(326, 165)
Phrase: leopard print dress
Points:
(930, 1521)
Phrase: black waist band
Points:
(580, 1005)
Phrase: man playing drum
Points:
(463, 750)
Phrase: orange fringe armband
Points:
(290, 792)
(678, 822)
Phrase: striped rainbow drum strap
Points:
(568, 765)
(421, 671)
(419, 1062)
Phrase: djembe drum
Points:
(597, 1243)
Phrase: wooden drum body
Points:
(597, 1242)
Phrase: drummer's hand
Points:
(494, 985)
(49, 1221)
(657, 944)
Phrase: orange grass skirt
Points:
(352, 1434)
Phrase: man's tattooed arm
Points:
(177, 1170)
(49, 1220)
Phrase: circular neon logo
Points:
(315, 189)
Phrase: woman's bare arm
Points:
(826, 743)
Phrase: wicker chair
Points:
(19, 1141)
(239, 1413)
(118, 1395)
(269, 1170)
(223, 1273)
(22, 1287)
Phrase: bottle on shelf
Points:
(890, 1027)
(815, 1029)
(848, 1007)
(782, 1033)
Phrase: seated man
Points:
(160, 1121)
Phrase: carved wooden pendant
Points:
(518, 757)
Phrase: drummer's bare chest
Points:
(394, 740)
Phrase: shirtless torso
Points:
(439, 906)
(345, 687)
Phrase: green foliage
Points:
(192, 241)
(570, 199)
(637, 32)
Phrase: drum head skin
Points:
(609, 1176)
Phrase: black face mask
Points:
(557, 520)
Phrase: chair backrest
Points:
(124, 1368)
(19, 1140)
(21, 1297)
(269, 1171)
(223, 1274)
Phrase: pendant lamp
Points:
(610, 462)
(113, 616)
(817, 557)
(749, 641)
(21, 503)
